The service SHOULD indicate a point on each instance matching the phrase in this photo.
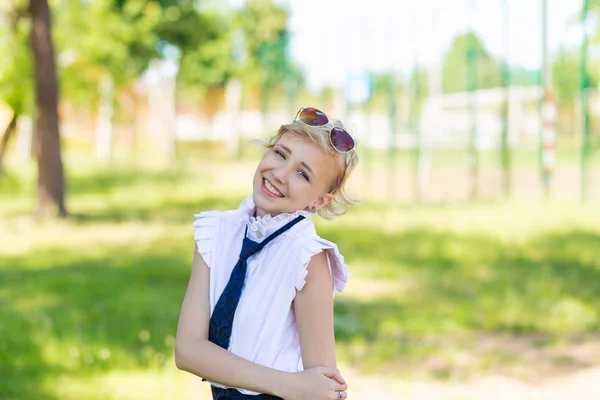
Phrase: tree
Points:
(140, 31)
(263, 25)
(566, 75)
(51, 185)
(103, 38)
(456, 65)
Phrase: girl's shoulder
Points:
(211, 227)
(307, 244)
(300, 244)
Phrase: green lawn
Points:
(89, 305)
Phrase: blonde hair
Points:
(320, 136)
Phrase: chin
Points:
(256, 198)
(262, 203)
(266, 205)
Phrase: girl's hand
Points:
(317, 383)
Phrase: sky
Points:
(335, 39)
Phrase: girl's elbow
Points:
(187, 351)
(319, 358)
(180, 359)
(182, 355)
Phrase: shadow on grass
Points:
(119, 309)
(100, 181)
(104, 181)
(87, 315)
(169, 210)
(22, 366)
(461, 284)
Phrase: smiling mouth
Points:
(271, 189)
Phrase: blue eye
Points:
(280, 154)
(304, 175)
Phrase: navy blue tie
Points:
(221, 320)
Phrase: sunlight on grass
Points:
(148, 384)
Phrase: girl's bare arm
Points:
(314, 315)
(196, 354)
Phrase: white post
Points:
(233, 104)
(104, 123)
(169, 117)
(24, 143)
(549, 112)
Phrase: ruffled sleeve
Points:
(337, 267)
(206, 227)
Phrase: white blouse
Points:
(264, 328)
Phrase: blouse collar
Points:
(261, 227)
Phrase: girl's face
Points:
(295, 174)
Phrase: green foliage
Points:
(566, 73)
(186, 28)
(418, 86)
(93, 39)
(594, 11)
(207, 59)
(467, 49)
(524, 77)
(265, 35)
(16, 85)
(118, 38)
(468, 54)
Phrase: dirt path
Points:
(485, 366)
(567, 372)
(583, 385)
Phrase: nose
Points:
(281, 174)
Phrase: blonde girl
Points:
(257, 317)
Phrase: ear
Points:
(322, 201)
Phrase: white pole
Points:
(104, 129)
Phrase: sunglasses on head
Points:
(340, 139)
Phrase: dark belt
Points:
(232, 394)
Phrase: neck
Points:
(261, 213)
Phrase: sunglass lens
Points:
(341, 140)
(312, 116)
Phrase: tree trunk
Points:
(51, 184)
(10, 130)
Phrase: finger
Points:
(335, 385)
(334, 374)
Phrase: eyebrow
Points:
(303, 163)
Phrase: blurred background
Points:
(474, 251)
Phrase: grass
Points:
(89, 305)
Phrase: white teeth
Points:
(272, 189)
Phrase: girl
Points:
(257, 317)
